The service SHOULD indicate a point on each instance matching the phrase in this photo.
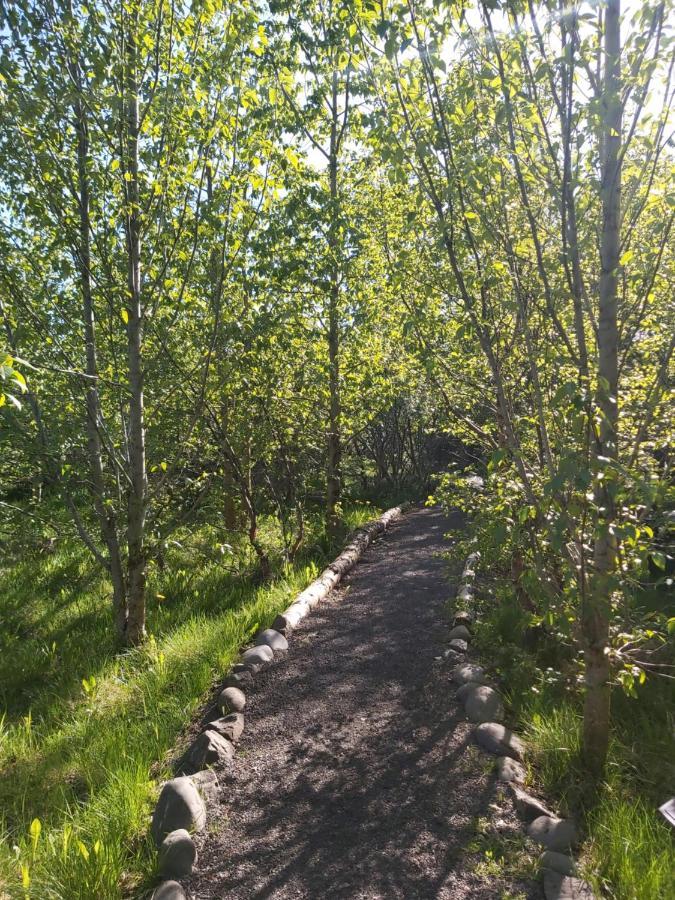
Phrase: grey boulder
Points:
(552, 833)
(466, 594)
(239, 679)
(497, 739)
(563, 887)
(509, 770)
(458, 646)
(557, 862)
(206, 783)
(169, 890)
(180, 805)
(483, 704)
(469, 672)
(177, 855)
(208, 749)
(256, 657)
(461, 632)
(231, 700)
(453, 656)
(463, 617)
(240, 667)
(465, 689)
(528, 806)
(230, 727)
(273, 639)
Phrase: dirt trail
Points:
(356, 776)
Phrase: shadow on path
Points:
(353, 778)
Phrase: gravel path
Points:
(356, 776)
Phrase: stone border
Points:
(181, 808)
(484, 708)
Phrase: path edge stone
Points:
(509, 768)
(260, 654)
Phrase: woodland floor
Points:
(356, 776)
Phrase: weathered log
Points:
(333, 574)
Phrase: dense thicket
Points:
(253, 256)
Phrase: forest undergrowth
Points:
(87, 733)
(628, 851)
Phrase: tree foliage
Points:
(253, 257)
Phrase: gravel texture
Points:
(356, 776)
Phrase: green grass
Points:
(87, 732)
(629, 853)
(629, 850)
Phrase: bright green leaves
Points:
(11, 383)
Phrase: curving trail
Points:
(356, 776)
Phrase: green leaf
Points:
(35, 831)
(659, 559)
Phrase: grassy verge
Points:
(86, 732)
(629, 850)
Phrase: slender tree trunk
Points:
(138, 491)
(229, 506)
(568, 201)
(334, 474)
(105, 513)
(241, 473)
(596, 613)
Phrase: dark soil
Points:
(356, 776)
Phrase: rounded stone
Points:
(508, 770)
(180, 805)
(465, 689)
(239, 667)
(483, 704)
(256, 657)
(562, 887)
(273, 639)
(453, 656)
(528, 806)
(169, 890)
(239, 679)
(466, 594)
(206, 783)
(469, 672)
(557, 862)
(552, 833)
(470, 566)
(177, 855)
(458, 646)
(231, 700)
(230, 727)
(208, 749)
(497, 739)
(461, 632)
(463, 617)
